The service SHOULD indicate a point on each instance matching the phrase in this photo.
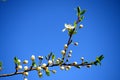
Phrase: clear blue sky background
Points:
(35, 27)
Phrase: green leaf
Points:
(34, 64)
(47, 72)
(82, 12)
(81, 18)
(53, 57)
(78, 11)
(98, 60)
(75, 24)
(0, 64)
(16, 60)
(101, 57)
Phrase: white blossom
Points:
(68, 27)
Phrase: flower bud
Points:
(88, 66)
(62, 67)
(19, 67)
(25, 67)
(25, 79)
(76, 43)
(40, 57)
(81, 26)
(32, 57)
(63, 52)
(19, 61)
(74, 63)
(38, 68)
(54, 71)
(50, 62)
(69, 55)
(67, 67)
(25, 73)
(82, 58)
(25, 61)
(44, 65)
(70, 51)
(65, 46)
(40, 74)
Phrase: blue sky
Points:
(30, 27)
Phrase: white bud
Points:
(44, 65)
(65, 46)
(75, 63)
(67, 67)
(25, 61)
(69, 55)
(54, 71)
(81, 26)
(63, 52)
(19, 61)
(76, 43)
(25, 67)
(50, 62)
(40, 74)
(62, 67)
(70, 51)
(32, 57)
(38, 68)
(25, 79)
(82, 58)
(40, 57)
(19, 66)
(25, 73)
(88, 66)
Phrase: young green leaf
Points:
(82, 12)
(34, 64)
(75, 24)
(0, 64)
(47, 72)
(78, 11)
(53, 57)
(15, 60)
(81, 18)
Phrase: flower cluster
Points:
(63, 63)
